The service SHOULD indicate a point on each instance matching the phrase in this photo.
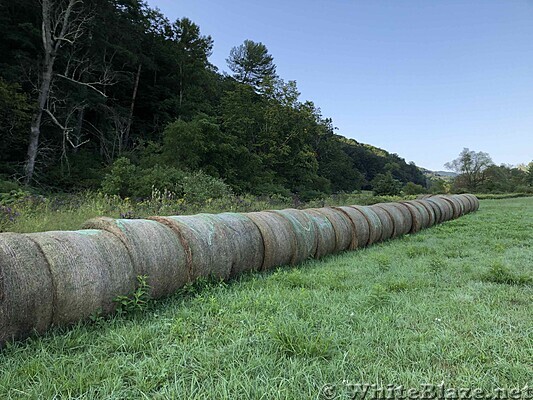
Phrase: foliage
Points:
(412, 188)
(252, 64)
(471, 167)
(137, 301)
(385, 184)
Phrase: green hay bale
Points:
(279, 238)
(245, 241)
(359, 224)
(154, 250)
(387, 224)
(205, 242)
(419, 216)
(445, 208)
(454, 204)
(89, 269)
(325, 233)
(375, 230)
(26, 290)
(344, 232)
(305, 232)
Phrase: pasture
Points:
(451, 303)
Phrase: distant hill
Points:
(446, 175)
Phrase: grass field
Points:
(452, 303)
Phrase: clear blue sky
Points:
(419, 78)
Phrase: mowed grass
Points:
(452, 303)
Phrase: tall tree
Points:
(471, 166)
(251, 63)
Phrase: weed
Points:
(499, 273)
(137, 301)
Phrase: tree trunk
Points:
(35, 129)
(126, 137)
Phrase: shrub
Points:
(412, 188)
(120, 179)
(385, 184)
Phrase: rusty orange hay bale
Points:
(325, 233)
(205, 244)
(26, 288)
(344, 232)
(154, 249)
(89, 269)
(387, 224)
(375, 230)
(359, 224)
(305, 232)
(279, 238)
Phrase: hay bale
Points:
(419, 216)
(245, 241)
(374, 223)
(473, 200)
(89, 269)
(433, 211)
(154, 249)
(359, 224)
(445, 208)
(305, 232)
(26, 289)
(387, 224)
(344, 232)
(325, 233)
(467, 203)
(205, 242)
(457, 209)
(406, 222)
(279, 239)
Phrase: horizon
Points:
(422, 80)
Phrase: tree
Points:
(385, 184)
(471, 166)
(251, 64)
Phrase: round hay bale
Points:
(433, 211)
(279, 239)
(205, 242)
(359, 224)
(26, 289)
(419, 216)
(475, 200)
(344, 232)
(446, 210)
(463, 203)
(325, 233)
(374, 223)
(456, 206)
(245, 241)
(387, 224)
(305, 232)
(401, 218)
(89, 269)
(155, 251)
(467, 203)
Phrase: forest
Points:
(111, 95)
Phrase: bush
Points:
(385, 184)
(412, 188)
(199, 187)
(120, 179)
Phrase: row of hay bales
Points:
(57, 278)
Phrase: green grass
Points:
(452, 304)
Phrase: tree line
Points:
(89, 89)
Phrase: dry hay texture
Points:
(58, 278)
(154, 249)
